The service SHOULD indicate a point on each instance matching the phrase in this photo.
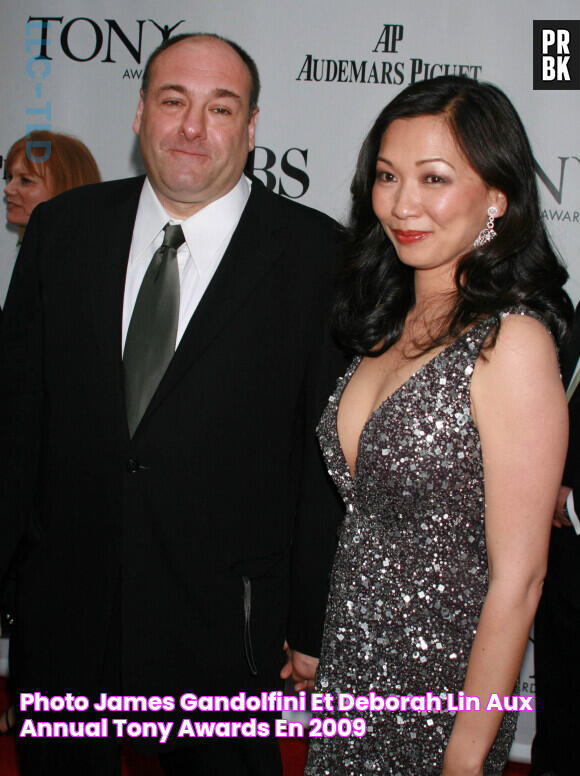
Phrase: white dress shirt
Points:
(207, 235)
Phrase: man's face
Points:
(193, 124)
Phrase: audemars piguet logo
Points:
(384, 66)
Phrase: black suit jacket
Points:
(564, 560)
(214, 526)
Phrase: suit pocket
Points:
(248, 648)
(263, 585)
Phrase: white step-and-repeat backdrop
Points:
(327, 68)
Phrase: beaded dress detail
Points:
(410, 573)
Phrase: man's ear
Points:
(137, 119)
(252, 129)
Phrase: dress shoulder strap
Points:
(476, 337)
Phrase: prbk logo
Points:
(556, 54)
(390, 71)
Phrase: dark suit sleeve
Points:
(320, 508)
(570, 478)
(21, 397)
(570, 356)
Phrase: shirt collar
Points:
(149, 221)
(205, 231)
(209, 231)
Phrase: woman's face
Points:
(430, 201)
(23, 191)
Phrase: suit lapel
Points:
(110, 242)
(251, 253)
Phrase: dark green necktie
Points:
(152, 333)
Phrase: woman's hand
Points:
(459, 768)
(301, 667)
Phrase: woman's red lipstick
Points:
(410, 236)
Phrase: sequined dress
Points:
(410, 573)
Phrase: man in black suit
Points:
(173, 542)
(556, 747)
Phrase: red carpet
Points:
(293, 755)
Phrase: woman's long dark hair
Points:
(519, 267)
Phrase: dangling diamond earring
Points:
(487, 235)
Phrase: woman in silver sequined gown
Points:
(446, 437)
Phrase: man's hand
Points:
(560, 518)
(301, 667)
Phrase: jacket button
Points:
(132, 466)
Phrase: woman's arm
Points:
(520, 410)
